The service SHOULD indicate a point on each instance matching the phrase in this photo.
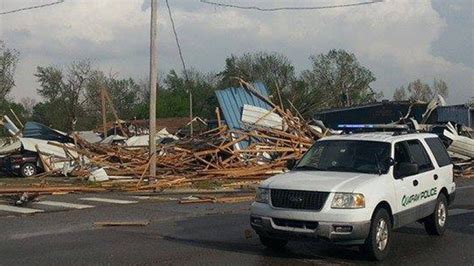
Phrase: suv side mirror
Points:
(290, 164)
(407, 169)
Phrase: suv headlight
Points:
(348, 201)
(263, 195)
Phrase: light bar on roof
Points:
(372, 126)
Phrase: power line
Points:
(184, 69)
(290, 7)
(31, 7)
(177, 41)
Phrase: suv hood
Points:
(318, 181)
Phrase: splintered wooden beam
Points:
(104, 111)
(206, 162)
(218, 115)
(117, 119)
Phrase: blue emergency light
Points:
(355, 126)
(373, 126)
(360, 128)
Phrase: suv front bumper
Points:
(342, 233)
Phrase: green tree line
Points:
(71, 99)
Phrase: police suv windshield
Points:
(347, 156)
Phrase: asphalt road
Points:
(200, 234)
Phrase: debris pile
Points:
(221, 153)
(461, 149)
(463, 168)
(255, 140)
(258, 144)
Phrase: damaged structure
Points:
(253, 138)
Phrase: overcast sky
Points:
(398, 40)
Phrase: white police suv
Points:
(355, 189)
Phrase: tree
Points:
(29, 104)
(420, 91)
(8, 62)
(64, 90)
(173, 100)
(124, 94)
(51, 113)
(74, 93)
(400, 94)
(337, 79)
(470, 103)
(440, 87)
(201, 85)
(272, 69)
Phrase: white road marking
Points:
(465, 187)
(458, 212)
(141, 197)
(9, 208)
(64, 204)
(110, 200)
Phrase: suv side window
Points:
(439, 151)
(401, 156)
(419, 155)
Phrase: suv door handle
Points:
(415, 183)
(435, 177)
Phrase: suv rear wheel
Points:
(377, 244)
(435, 224)
(28, 169)
(273, 243)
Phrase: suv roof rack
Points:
(363, 128)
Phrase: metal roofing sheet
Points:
(10, 126)
(33, 145)
(262, 117)
(39, 131)
(89, 136)
(9, 148)
(232, 101)
(459, 114)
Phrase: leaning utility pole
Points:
(153, 78)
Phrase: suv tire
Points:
(28, 169)
(377, 244)
(273, 243)
(435, 224)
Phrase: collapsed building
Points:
(251, 139)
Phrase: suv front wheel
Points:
(377, 244)
(435, 224)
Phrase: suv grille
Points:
(297, 199)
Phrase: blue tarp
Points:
(232, 101)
